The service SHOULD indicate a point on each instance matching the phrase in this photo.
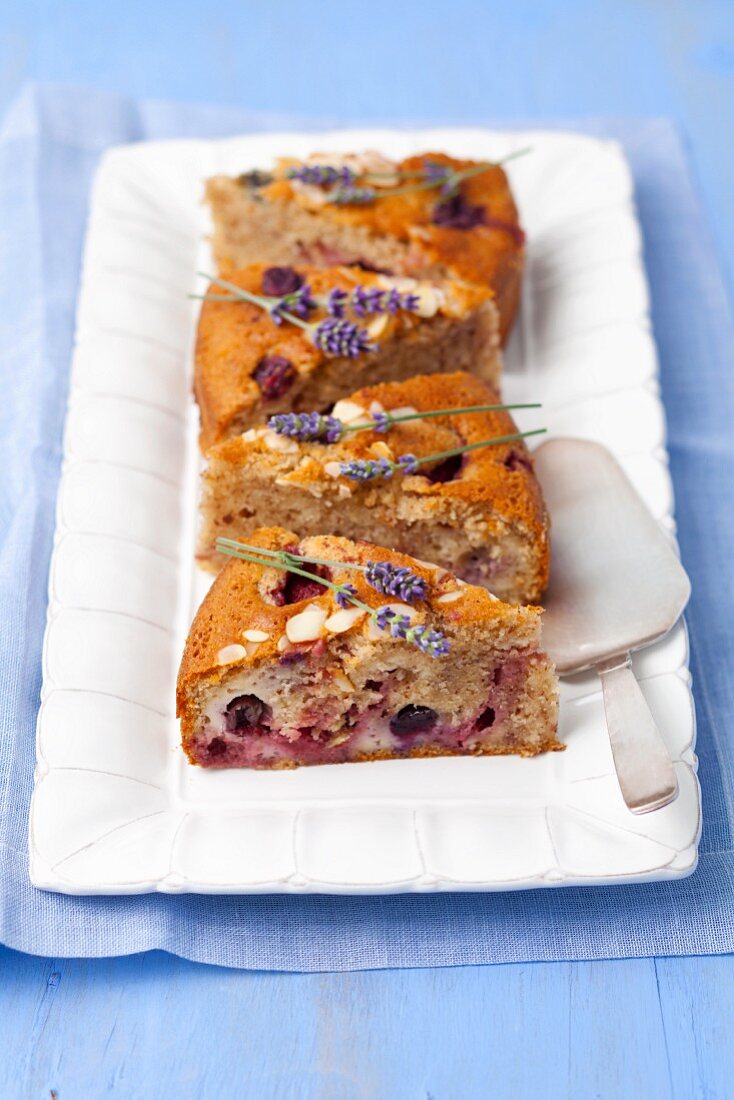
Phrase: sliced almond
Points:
(343, 682)
(231, 653)
(404, 410)
(381, 450)
(430, 300)
(403, 283)
(307, 625)
(333, 469)
(250, 435)
(376, 407)
(342, 620)
(282, 644)
(377, 326)
(275, 442)
(255, 635)
(449, 597)
(347, 411)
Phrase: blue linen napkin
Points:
(49, 146)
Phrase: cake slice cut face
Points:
(481, 514)
(251, 364)
(276, 673)
(472, 233)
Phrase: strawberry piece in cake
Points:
(480, 514)
(429, 216)
(280, 670)
(338, 328)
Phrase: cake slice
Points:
(251, 363)
(406, 226)
(280, 671)
(481, 514)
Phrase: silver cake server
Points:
(616, 585)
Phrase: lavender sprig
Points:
(399, 626)
(315, 427)
(353, 196)
(364, 300)
(383, 576)
(321, 174)
(427, 640)
(395, 580)
(307, 427)
(339, 337)
(372, 469)
(333, 336)
(300, 302)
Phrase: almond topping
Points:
(449, 597)
(333, 469)
(307, 625)
(430, 299)
(342, 620)
(250, 435)
(382, 450)
(282, 644)
(347, 411)
(377, 326)
(231, 653)
(277, 442)
(255, 635)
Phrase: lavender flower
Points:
(367, 470)
(370, 469)
(382, 422)
(395, 580)
(299, 302)
(365, 300)
(396, 301)
(307, 427)
(427, 640)
(336, 301)
(437, 174)
(345, 594)
(353, 196)
(338, 337)
(321, 174)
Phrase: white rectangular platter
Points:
(116, 808)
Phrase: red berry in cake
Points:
(413, 719)
(457, 213)
(274, 375)
(246, 712)
(279, 281)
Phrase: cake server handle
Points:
(645, 771)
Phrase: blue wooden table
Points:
(155, 1026)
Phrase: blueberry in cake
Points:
(278, 339)
(428, 216)
(326, 651)
(480, 513)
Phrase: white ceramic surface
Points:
(116, 808)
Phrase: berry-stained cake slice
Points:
(275, 339)
(480, 513)
(429, 216)
(380, 657)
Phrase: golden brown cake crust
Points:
(233, 337)
(490, 254)
(497, 480)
